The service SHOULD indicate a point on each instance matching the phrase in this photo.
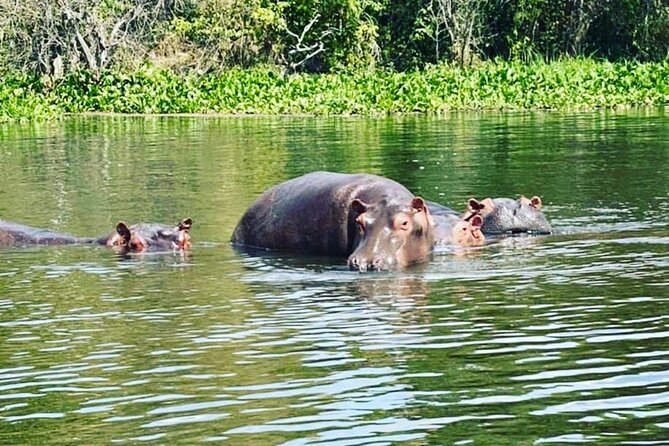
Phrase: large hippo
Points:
(374, 221)
(504, 215)
(131, 238)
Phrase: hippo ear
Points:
(476, 221)
(487, 206)
(535, 202)
(359, 206)
(473, 205)
(185, 224)
(123, 230)
(418, 204)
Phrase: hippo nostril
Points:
(379, 265)
(364, 265)
(357, 264)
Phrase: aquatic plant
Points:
(495, 85)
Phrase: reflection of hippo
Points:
(375, 221)
(459, 231)
(504, 215)
(14, 234)
(150, 236)
(131, 238)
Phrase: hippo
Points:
(504, 215)
(458, 231)
(15, 234)
(131, 238)
(373, 221)
(149, 236)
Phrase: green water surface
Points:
(528, 340)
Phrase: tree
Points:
(344, 32)
(459, 25)
(56, 36)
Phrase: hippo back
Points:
(312, 213)
(374, 221)
(15, 234)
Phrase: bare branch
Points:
(306, 51)
(74, 19)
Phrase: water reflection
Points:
(552, 339)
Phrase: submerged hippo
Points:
(15, 234)
(149, 236)
(504, 215)
(453, 230)
(132, 238)
(376, 222)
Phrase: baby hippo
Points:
(150, 236)
(505, 215)
(458, 231)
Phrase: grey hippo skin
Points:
(505, 215)
(149, 236)
(374, 221)
(15, 234)
(458, 230)
(131, 238)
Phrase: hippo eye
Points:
(404, 225)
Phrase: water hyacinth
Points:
(491, 85)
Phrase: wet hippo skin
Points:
(16, 234)
(456, 230)
(137, 237)
(504, 215)
(149, 236)
(374, 221)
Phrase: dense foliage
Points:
(59, 36)
(566, 84)
(329, 56)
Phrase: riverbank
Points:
(493, 85)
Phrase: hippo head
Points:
(504, 215)
(390, 236)
(127, 239)
(177, 237)
(140, 237)
(467, 232)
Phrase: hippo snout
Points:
(363, 264)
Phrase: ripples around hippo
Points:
(556, 339)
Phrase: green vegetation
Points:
(56, 37)
(566, 84)
(328, 56)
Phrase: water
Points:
(544, 340)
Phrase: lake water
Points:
(529, 340)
